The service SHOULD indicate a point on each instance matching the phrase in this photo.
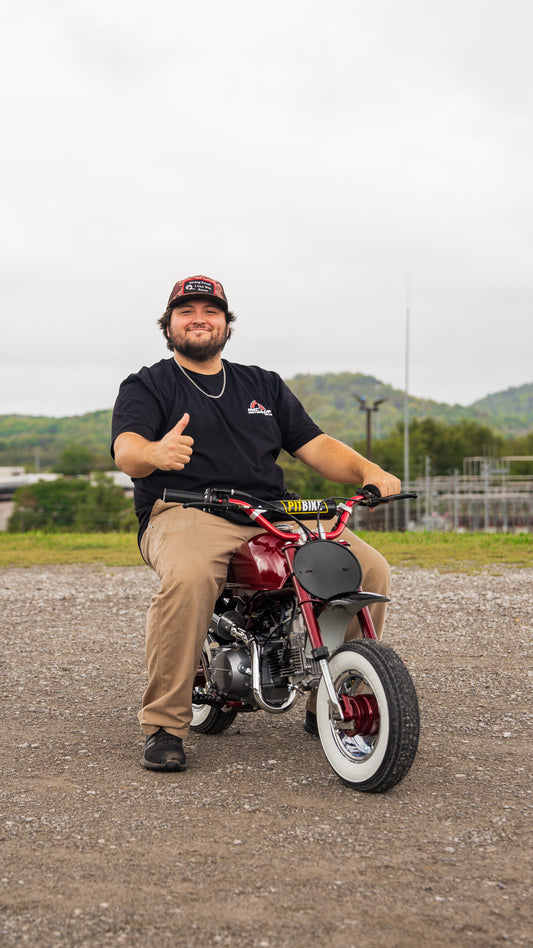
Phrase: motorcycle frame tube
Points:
(305, 603)
(367, 626)
(256, 515)
(315, 636)
(365, 620)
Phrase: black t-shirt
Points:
(237, 437)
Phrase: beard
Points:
(200, 350)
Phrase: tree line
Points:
(446, 446)
(77, 502)
(432, 444)
(37, 442)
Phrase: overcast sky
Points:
(332, 164)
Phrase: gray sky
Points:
(329, 163)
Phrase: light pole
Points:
(406, 474)
(364, 406)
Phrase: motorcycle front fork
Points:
(341, 712)
(347, 710)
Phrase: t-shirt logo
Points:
(257, 409)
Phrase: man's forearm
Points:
(134, 454)
(336, 461)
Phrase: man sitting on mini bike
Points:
(192, 422)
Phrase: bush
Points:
(72, 505)
(75, 459)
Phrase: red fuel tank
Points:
(260, 563)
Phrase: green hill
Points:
(37, 441)
(31, 441)
(330, 400)
(511, 411)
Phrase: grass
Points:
(464, 552)
(49, 549)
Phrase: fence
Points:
(490, 502)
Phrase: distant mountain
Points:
(511, 410)
(330, 400)
(37, 441)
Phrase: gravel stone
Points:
(258, 843)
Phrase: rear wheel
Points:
(206, 718)
(373, 684)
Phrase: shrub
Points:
(72, 505)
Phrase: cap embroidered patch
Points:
(199, 286)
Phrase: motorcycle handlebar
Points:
(276, 509)
(263, 513)
(182, 496)
(369, 496)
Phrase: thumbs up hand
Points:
(174, 450)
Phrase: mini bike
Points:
(279, 631)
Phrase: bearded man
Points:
(193, 422)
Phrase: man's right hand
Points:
(138, 457)
(174, 450)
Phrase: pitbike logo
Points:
(257, 409)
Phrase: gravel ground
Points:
(258, 843)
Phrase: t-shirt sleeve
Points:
(137, 409)
(297, 427)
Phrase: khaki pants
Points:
(190, 551)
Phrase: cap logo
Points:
(199, 286)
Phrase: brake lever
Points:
(373, 498)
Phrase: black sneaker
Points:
(164, 751)
(310, 724)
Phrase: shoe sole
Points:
(169, 765)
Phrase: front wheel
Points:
(371, 682)
(206, 718)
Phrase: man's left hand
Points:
(386, 483)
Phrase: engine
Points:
(231, 673)
(279, 636)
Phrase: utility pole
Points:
(363, 406)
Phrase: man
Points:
(192, 422)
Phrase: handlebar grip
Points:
(181, 496)
(371, 490)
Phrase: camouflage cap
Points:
(199, 287)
